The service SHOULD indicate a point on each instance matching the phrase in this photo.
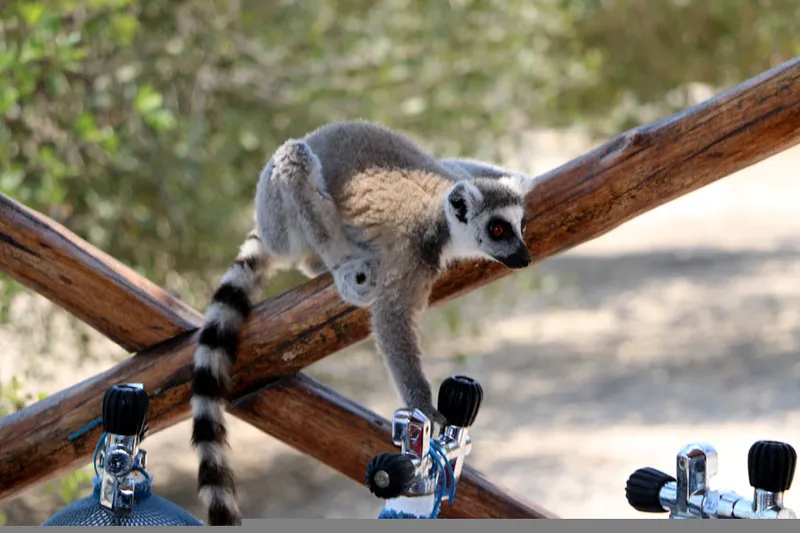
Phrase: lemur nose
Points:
(519, 259)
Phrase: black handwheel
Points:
(390, 474)
(643, 489)
(459, 400)
(771, 465)
(125, 410)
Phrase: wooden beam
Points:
(340, 433)
(122, 305)
(39, 236)
(636, 172)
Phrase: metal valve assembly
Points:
(410, 473)
(770, 464)
(122, 494)
(125, 409)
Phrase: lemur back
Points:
(384, 218)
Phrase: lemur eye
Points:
(498, 228)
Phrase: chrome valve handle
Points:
(771, 467)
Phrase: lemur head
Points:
(485, 219)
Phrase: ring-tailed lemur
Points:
(384, 218)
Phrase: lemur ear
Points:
(520, 182)
(462, 199)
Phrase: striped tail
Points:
(216, 351)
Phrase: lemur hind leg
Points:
(298, 174)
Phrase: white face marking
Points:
(472, 240)
(513, 214)
(462, 243)
(464, 238)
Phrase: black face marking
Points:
(499, 229)
(497, 196)
(501, 197)
(519, 259)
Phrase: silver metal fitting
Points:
(119, 460)
(411, 431)
(689, 495)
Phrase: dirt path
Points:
(681, 325)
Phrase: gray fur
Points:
(384, 218)
(474, 169)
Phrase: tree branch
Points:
(116, 301)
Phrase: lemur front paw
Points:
(426, 406)
(357, 281)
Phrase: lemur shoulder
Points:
(384, 217)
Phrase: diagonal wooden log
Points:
(581, 200)
(48, 258)
(42, 247)
(345, 436)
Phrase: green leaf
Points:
(31, 12)
(161, 120)
(147, 99)
(124, 28)
(32, 50)
(9, 96)
(86, 127)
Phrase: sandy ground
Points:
(679, 326)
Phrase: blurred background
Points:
(142, 126)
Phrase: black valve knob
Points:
(390, 474)
(125, 409)
(771, 465)
(459, 400)
(643, 489)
